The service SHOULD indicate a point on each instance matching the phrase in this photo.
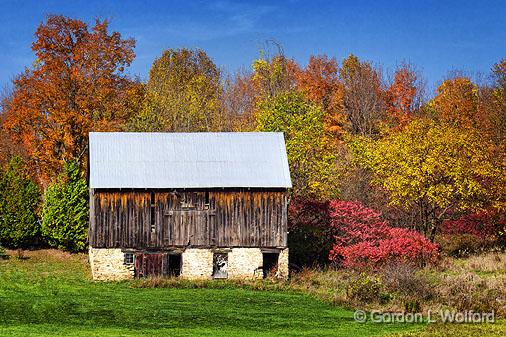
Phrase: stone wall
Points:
(107, 264)
(197, 263)
(245, 263)
(282, 271)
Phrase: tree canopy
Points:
(310, 155)
(76, 85)
(352, 131)
(182, 94)
(437, 168)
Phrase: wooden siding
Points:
(214, 218)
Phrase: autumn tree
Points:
(182, 94)
(499, 98)
(320, 83)
(404, 96)
(239, 102)
(75, 85)
(8, 147)
(310, 154)
(363, 103)
(273, 74)
(436, 168)
(457, 102)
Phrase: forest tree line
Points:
(364, 148)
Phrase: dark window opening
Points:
(128, 259)
(153, 227)
(206, 200)
(270, 264)
(174, 265)
(220, 265)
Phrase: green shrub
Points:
(19, 201)
(65, 212)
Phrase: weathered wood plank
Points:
(222, 218)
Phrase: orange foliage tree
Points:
(400, 96)
(499, 106)
(76, 85)
(8, 148)
(456, 102)
(320, 83)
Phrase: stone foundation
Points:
(197, 263)
(245, 263)
(107, 264)
(282, 271)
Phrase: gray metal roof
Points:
(188, 160)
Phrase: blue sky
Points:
(436, 36)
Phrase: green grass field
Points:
(49, 293)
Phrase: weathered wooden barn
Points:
(194, 205)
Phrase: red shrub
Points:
(362, 238)
(472, 233)
(481, 225)
(308, 212)
(310, 236)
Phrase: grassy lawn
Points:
(49, 293)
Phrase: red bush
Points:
(481, 225)
(472, 233)
(362, 238)
(310, 237)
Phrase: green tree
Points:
(65, 213)
(182, 94)
(310, 155)
(436, 168)
(19, 201)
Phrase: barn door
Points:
(150, 264)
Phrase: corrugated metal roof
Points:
(188, 160)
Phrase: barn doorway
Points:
(270, 264)
(149, 264)
(220, 265)
(157, 264)
(174, 265)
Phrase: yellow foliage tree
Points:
(310, 154)
(182, 94)
(437, 168)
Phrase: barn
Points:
(191, 205)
